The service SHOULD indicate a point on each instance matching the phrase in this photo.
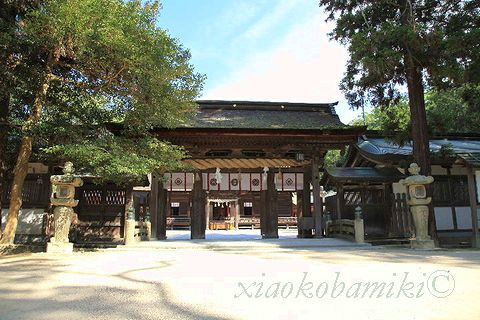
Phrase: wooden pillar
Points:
(473, 206)
(263, 211)
(207, 215)
(210, 213)
(339, 201)
(153, 202)
(306, 204)
(299, 204)
(317, 199)
(161, 222)
(269, 216)
(197, 217)
(237, 214)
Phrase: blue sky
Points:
(264, 50)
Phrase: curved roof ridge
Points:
(268, 105)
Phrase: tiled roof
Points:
(381, 175)
(264, 115)
(472, 158)
(381, 148)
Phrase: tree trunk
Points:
(421, 147)
(20, 172)
(421, 143)
(4, 104)
(418, 116)
(21, 166)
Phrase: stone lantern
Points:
(63, 200)
(418, 202)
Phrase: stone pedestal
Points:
(63, 219)
(420, 219)
(422, 244)
(59, 247)
(129, 231)
(359, 230)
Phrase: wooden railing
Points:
(254, 222)
(178, 222)
(229, 223)
(348, 229)
(287, 222)
(249, 222)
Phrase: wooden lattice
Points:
(91, 197)
(115, 197)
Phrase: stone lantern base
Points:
(425, 244)
(420, 220)
(59, 247)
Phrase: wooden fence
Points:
(401, 225)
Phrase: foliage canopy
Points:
(72, 69)
(442, 36)
(104, 62)
(454, 110)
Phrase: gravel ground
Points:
(256, 283)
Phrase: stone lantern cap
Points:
(416, 178)
(64, 187)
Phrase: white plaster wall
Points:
(464, 217)
(30, 221)
(399, 188)
(478, 217)
(443, 216)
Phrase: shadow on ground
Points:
(126, 298)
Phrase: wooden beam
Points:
(269, 215)
(306, 204)
(339, 201)
(473, 207)
(153, 203)
(238, 163)
(317, 200)
(263, 212)
(198, 218)
(161, 221)
(237, 214)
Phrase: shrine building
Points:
(252, 165)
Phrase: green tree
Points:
(406, 43)
(10, 13)
(93, 77)
(454, 110)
